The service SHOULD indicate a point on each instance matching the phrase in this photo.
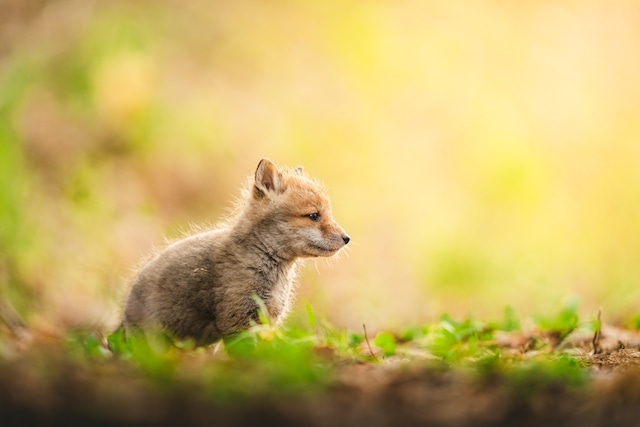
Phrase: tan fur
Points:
(202, 287)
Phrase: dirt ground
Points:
(391, 393)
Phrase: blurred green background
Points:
(479, 154)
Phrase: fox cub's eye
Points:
(313, 216)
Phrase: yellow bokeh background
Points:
(479, 154)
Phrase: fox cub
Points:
(202, 287)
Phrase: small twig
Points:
(366, 338)
(596, 336)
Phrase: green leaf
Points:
(311, 317)
(511, 321)
(387, 342)
(636, 322)
(564, 322)
(263, 313)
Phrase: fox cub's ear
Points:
(268, 178)
(299, 171)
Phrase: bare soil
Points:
(45, 388)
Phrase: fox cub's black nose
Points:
(346, 238)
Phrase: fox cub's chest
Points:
(278, 299)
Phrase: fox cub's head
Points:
(293, 213)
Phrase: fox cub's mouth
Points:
(331, 247)
(325, 250)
